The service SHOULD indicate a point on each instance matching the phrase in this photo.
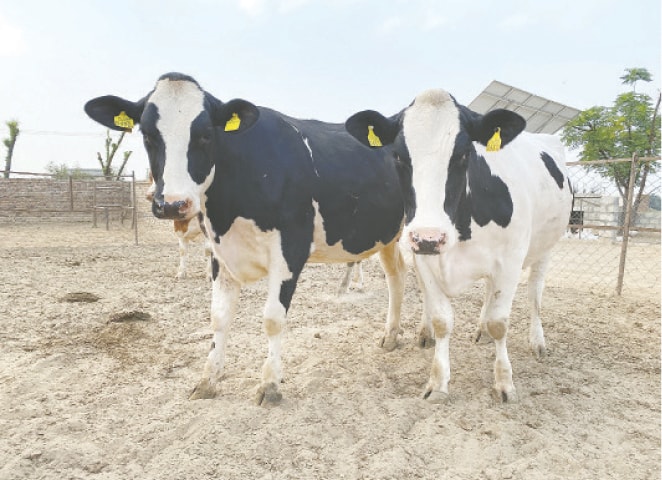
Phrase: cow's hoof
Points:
(425, 340)
(502, 396)
(268, 393)
(436, 397)
(539, 351)
(389, 343)
(203, 390)
(482, 337)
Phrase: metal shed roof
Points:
(541, 115)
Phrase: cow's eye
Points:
(147, 140)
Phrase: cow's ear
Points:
(372, 128)
(235, 116)
(114, 112)
(496, 125)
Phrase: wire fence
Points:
(613, 239)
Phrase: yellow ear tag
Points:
(373, 139)
(233, 124)
(124, 121)
(494, 143)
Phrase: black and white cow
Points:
(480, 213)
(275, 191)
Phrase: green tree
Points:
(110, 151)
(633, 75)
(63, 171)
(10, 142)
(630, 126)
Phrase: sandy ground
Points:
(98, 389)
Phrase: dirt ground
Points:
(100, 347)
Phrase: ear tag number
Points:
(233, 124)
(124, 121)
(373, 139)
(494, 143)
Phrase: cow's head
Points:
(180, 124)
(436, 136)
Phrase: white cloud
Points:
(433, 21)
(258, 7)
(515, 22)
(290, 5)
(12, 43)
(391, 24)
(252, 7)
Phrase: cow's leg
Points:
(536, 284)
(357, 270)
(439, 312)
(481, 331)
(183, 255)
(284, 268)
(425, 337)
(358, 275)
(496, 323)
(344, 284)
(208, 258)
(224, 298)
(396, 271)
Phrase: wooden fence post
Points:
(626, 225)
(135, 207)
(71, 194)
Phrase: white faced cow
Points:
(275, 192)
(479, 213)
(186, 231)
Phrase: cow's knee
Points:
(497, 328)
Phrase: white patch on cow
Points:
(179, 103)
(249, 253)
(322, 252)
(430, 127)
(310, 151)
(306, 142)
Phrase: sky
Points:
(323, 59)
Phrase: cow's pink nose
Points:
(426, 241)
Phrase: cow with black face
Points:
(490, 201)
(275, 192)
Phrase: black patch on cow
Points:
(200, 147)
(178, 77)
(552, 168)
(488, 198)
(214, 268)
(405, 175)
(153, 141)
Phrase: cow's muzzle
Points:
(173, 211)
(426, 241)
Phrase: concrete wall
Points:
(609, 211)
